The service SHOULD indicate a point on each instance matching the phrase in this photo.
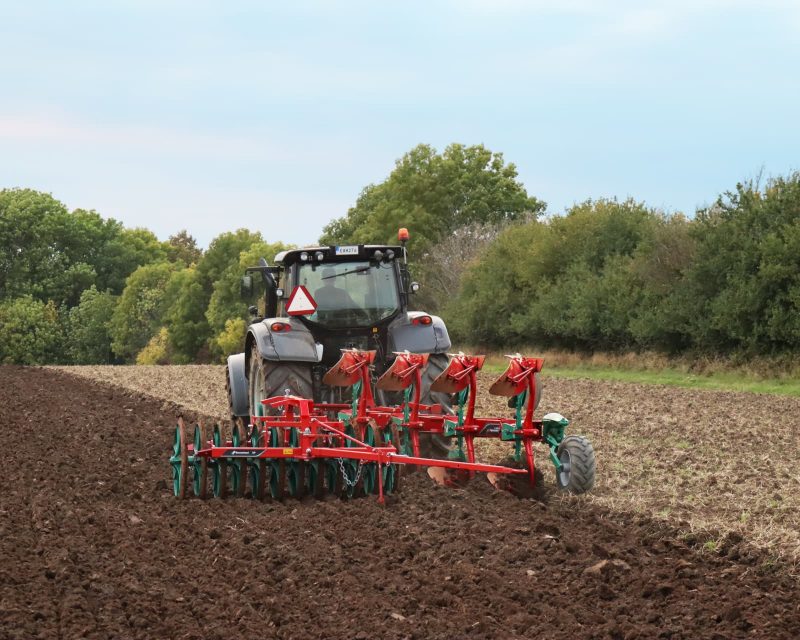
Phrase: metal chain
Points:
(347, 480)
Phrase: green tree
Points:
(745, 278)
(141, 308)
(30, 332)
(231, 338)
(661, 263)
(497, 288)
(89, 328)
(433, 194)
(191, 294)
(226, 302)
(157, 349)
(224, 251)
(186, 315)
(37, 255)
(570, 281)
(128, 250)
(183, 247)
(52, 254)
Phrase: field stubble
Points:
(719, 466)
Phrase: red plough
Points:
(298, 447)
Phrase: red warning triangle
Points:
(300, 302)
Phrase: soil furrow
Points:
(131, 561)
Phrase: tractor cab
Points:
(348, 287)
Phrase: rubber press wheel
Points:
(180, 460)
(576, 455)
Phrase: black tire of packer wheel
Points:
(277, 378)
(578, 453)
(431, 445)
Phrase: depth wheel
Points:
(199, 463)
(576, 455)
(180, 460)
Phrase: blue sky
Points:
(273, 116)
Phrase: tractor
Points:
(341, 385)
(362, 296)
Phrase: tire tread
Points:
(584, 465)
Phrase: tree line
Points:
(80, 289)
(604, 275)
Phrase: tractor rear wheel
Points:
(267, 379)
(576, 455)
(433, 445)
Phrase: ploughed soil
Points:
(94, 545)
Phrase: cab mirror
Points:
(246, 286)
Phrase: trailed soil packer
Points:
(341, 387)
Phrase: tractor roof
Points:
(340, 253)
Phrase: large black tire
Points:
(578, 465)
(266, 379)
(432, 445)
(229, 392)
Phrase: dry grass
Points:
(709, 462)
(762, 368)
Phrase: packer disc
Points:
(179, 460)
(297, 470)
(199, 463)
(219, 470)
(238, 465)
(277, 478)
(258, 466)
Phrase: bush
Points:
(577, 281)
(744, 282)
(141, 308)
(89, 328)
(231, 339)
(30, 332)
(157, 349)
